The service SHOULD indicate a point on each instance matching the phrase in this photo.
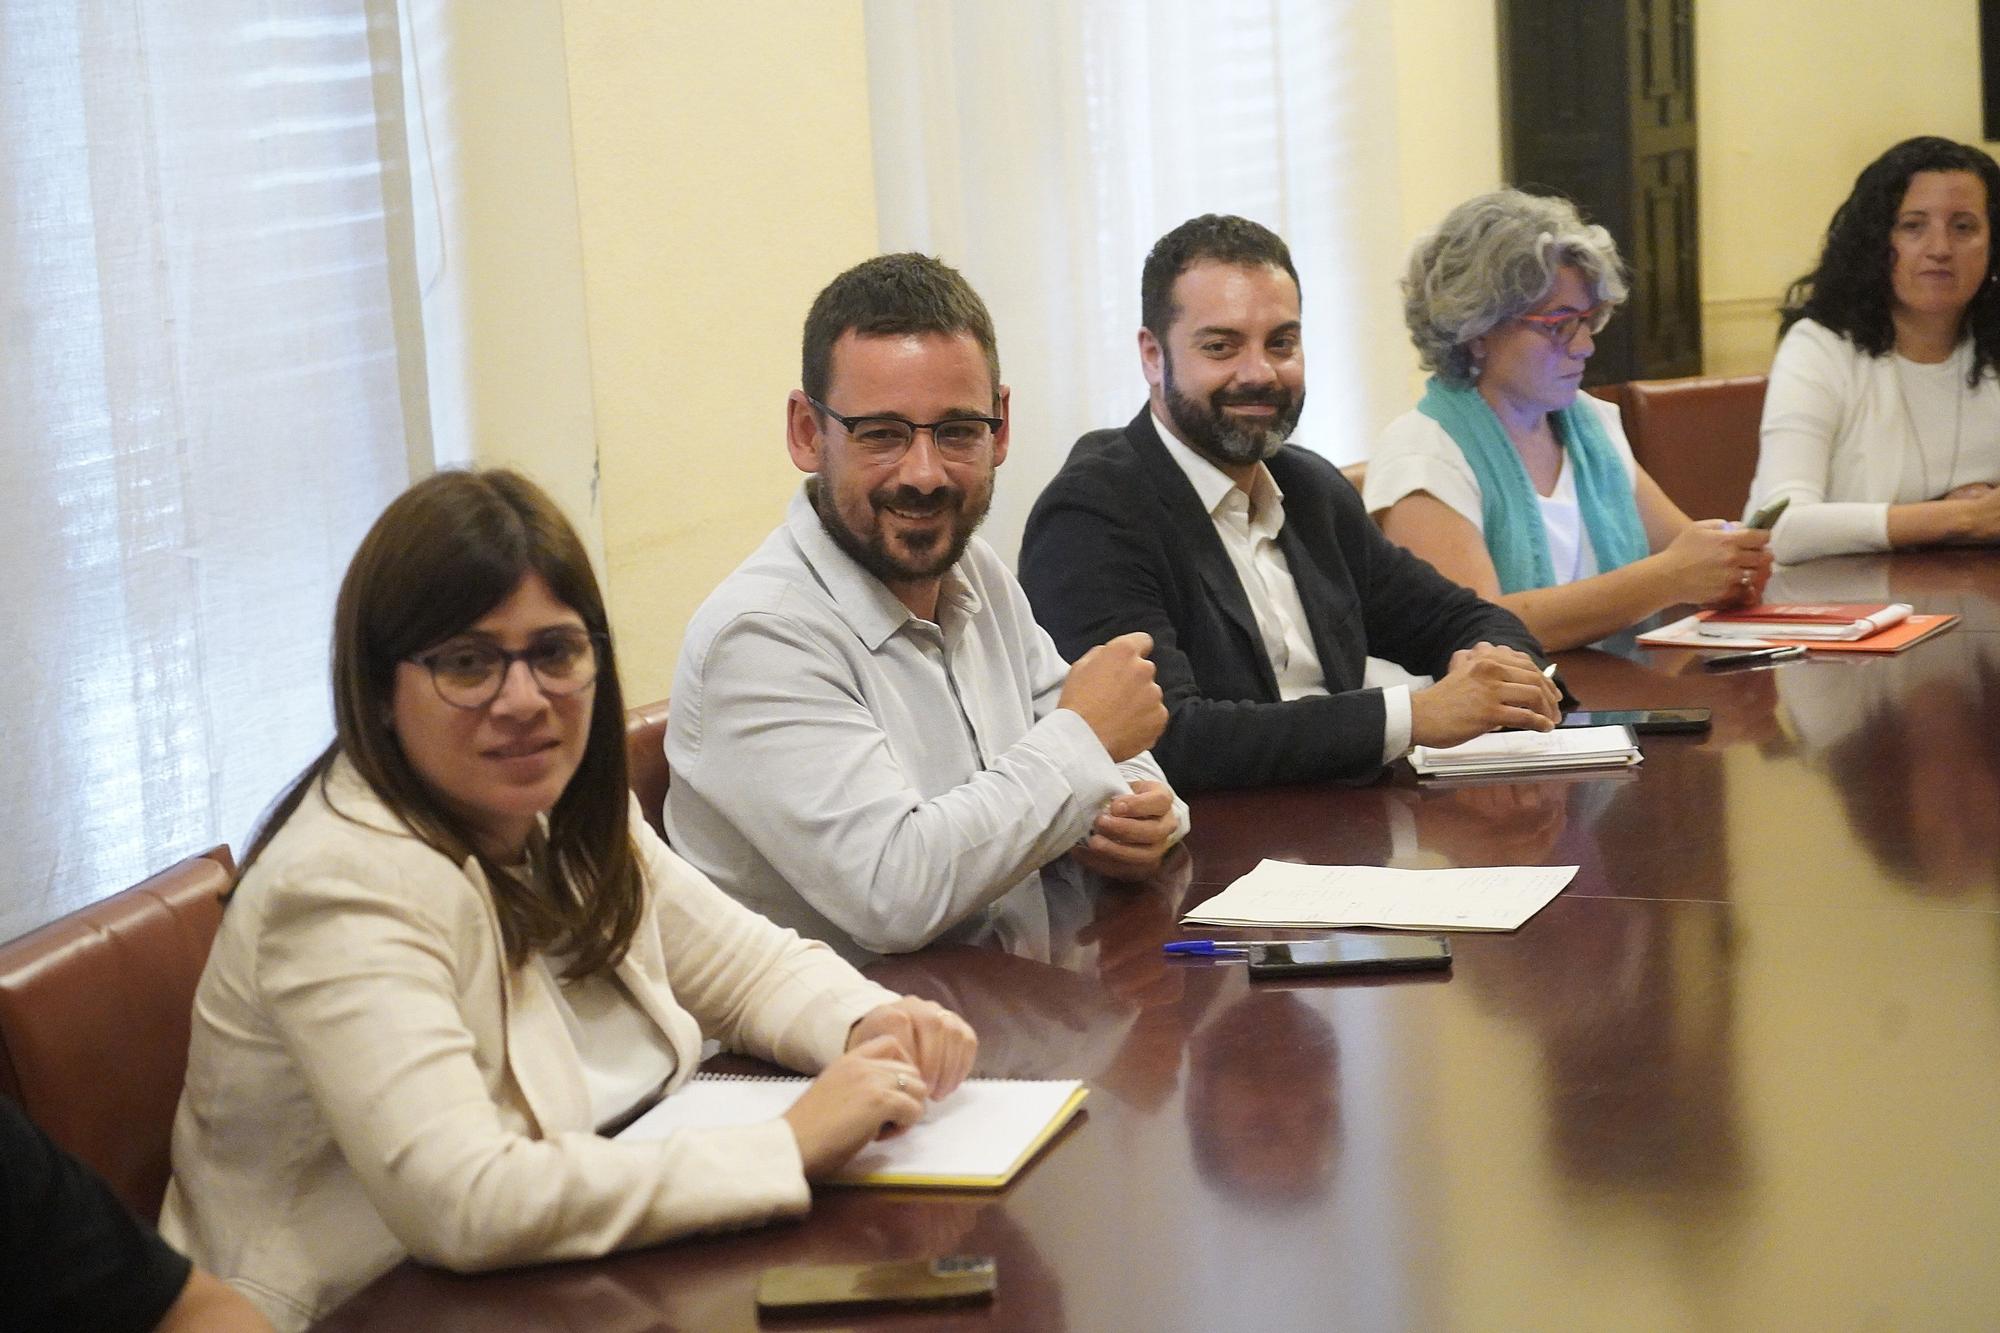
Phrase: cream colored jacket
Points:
(369, 1080)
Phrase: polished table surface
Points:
(1743, 1073)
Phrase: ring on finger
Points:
(902, 1084)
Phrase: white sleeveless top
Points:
(1571, 555)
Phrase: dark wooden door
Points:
(1597, 103)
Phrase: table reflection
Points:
(709, 1283)
(1263, 1102)
(1633, 1010)
(1095, 998)
(1912, 749)
(1956, 583)
(1502, 823)
(1395, 822)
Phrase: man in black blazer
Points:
(1251, 562)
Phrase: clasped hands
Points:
(1133, 835)
(898, 1056)
(1486, 687)
(1112, 689)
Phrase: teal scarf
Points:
(1514, 533)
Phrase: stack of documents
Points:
(1280, 893)
(1804, 620)
(1691, 632)
(1529, 752)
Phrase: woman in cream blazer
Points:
(379, 1068)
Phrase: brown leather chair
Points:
(646, 760)
(94, 1017)
(1697, 437)
(1613, 394)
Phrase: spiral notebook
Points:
(977, 1138)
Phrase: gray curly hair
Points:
(1494, 257)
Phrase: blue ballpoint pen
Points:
(1205, 948)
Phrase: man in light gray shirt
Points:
(871, 740)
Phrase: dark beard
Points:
(1204, 426)
(872, 552)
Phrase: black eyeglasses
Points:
(886, 439)
(470, 673)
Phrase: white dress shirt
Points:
(1248, 524)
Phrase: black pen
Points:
(1757, 656)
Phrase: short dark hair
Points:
(443, 554)
(888, 295)
(1219, 238)
(1850, 291)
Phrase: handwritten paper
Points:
(1282, 893)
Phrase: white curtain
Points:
(1043, 146)
(210, 390)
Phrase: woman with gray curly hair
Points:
(1507, 479)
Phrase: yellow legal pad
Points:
(978, 1138)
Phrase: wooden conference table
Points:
(1743, 1073)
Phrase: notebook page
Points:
(980, 1130)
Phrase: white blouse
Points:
(626, 1058)
(1942, 457)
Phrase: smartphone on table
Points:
(1346, 955)
(956, 1279)
(1642, 720)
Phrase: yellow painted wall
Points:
(1447, 123)
(1447, 108)
(1794, 97)
(723, 176)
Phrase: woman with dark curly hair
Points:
(1882, 422)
